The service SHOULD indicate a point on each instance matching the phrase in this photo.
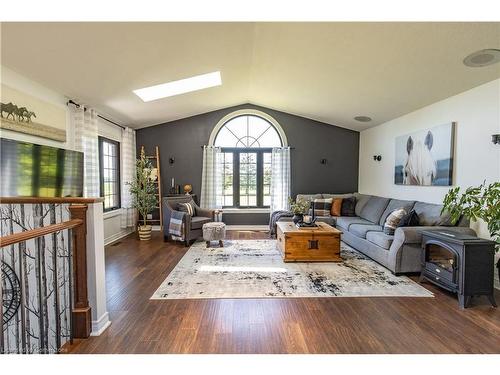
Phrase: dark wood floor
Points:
(135, 269)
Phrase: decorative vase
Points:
(298, 218)
(144, 232)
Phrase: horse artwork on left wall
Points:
(425, 157)
(24, 113)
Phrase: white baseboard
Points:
(117, 236)
(248, 227)
(99, 326)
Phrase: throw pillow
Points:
(336, 207)
(411, 219)
(348, 206)
(188, 208)
(322, 207)
(393, 219)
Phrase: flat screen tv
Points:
(30, 170)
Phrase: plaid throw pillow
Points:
(392, 221)
(322, 207)
(188, 208)
(348, 206)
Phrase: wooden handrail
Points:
(37, 200)
(38, 232)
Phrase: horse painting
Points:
(420, 167)
(13, 111)
(425, 157)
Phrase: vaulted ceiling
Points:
(329, 72)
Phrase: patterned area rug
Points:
(255, 269)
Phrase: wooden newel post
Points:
(81, 310)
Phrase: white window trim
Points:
(112, 213)
(250, 112)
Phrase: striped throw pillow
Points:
(188, 208)
(392, 221)
(323, 207)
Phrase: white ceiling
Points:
(329, 72)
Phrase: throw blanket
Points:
(275, 216)
(176, 226)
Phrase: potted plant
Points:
(481, 202)
(299, 208)
(143, 191)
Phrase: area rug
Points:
(255, 269)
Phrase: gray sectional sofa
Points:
(401, 252)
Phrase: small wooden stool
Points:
(215, 231)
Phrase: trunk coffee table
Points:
(319, 244)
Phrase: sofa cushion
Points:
(361, 200)
(380, 239)
(322, 207)
(336, 207)
(430, 214)
(393, 220)
(373, 209)
(198, 221)
(345, 221)
(187, 207)
(395, 204)
(360, 230)
(348, 205)
(409, 220)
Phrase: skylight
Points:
(181, 86)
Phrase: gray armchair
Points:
(192, 225)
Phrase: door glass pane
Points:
(248, 179)
(227, 179)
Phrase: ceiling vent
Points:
(482, 58)
(363, 118)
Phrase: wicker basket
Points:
(144, 232)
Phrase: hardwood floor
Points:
(135, 269)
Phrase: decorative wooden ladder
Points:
(155, 159)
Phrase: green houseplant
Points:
(481, 202)
(299, 208)
(143, 191)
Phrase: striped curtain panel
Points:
(85, 137)
(280, 178)
(211, 178)
(128, 155)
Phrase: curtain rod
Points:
(104, 118)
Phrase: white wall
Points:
(477, 114)
(21, 83)
(112, 229)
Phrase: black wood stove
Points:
(460, 263)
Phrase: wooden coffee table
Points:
(320, 244)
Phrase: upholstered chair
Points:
(192, 224)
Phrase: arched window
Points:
(248, 131)
(247, 139)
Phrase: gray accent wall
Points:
(311, 141)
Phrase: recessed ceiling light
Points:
(181, 86)
(363, 118)
(481, 58)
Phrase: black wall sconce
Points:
(377, 157)
(323, 161)
(171, 160)
(495, 138)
